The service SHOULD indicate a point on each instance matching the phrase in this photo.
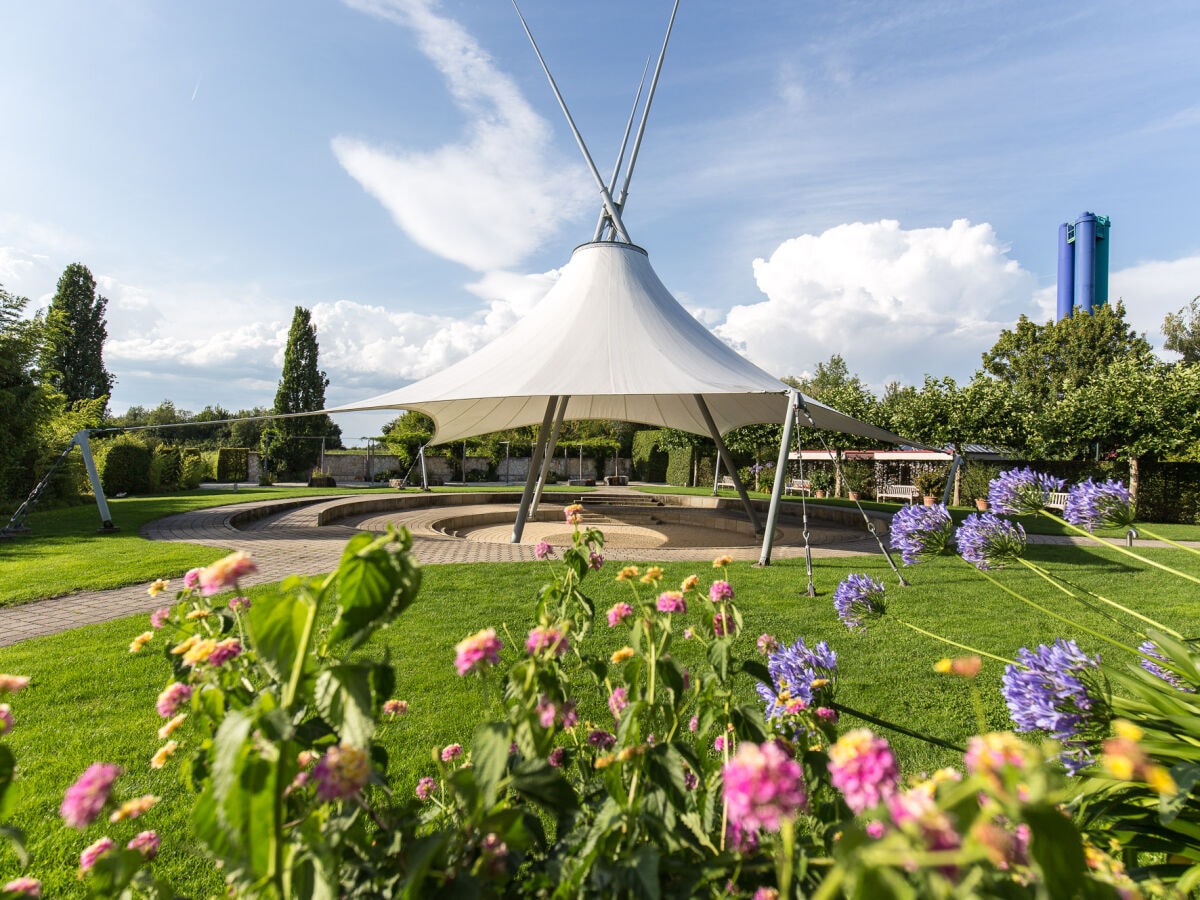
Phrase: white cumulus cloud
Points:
(895, 303)
(489, 200)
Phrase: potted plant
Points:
(858, 477)
(821, 482)
(930, 482)
(975, 482)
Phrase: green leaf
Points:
(1056, 849)
(489, 756)
(376, 581)
(16, 839)
(8, 764)
(1185, 776)
(718, 658)
(344, 698)
(755, 669)
(276, 625)
(541, 783)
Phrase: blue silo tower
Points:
(1082, 264)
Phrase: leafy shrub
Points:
(166, 468)
(125, 468)
(233, 464)
(194, 469)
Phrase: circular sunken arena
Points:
(634, 524)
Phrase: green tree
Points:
(25, 405)
(1043, 364)
(72, 356)
(833, 385)
(302, 386)
(1133, 410)
(1182, 330)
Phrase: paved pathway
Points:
(286, 538)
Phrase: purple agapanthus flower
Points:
(1020, 491)
(1059, 689)
(794, 672)
(921, 531)
(1169, 676)
(1090, 505)
(858, 597)
(988, 541)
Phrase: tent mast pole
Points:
(785, 445)
(548, 457)
(534, 466)
(612, 181)
(728, 461)
(609, 204)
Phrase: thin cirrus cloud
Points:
(489, 200)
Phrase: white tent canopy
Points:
(610, 337)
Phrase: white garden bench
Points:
(1057, 501)
(798, 486)
(905, 493)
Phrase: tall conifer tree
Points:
(301, 389)
(72, 359)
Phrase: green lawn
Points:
(72, 715)
(65, 552)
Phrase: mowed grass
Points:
(90, 700)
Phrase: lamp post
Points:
(581, 462)
(506, 451)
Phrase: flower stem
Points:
(1038, 570)
(1166, 540)
(1053, 614)
(944, 640)
(787, 831)
(1125, 550)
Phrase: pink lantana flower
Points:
(145, 843)
(174, 695)
(546, 638)
(341, 772)
(425, 788)
(618, 614)
(617, 701)
(159, 617)
(543, 549)
(862, 767)
(93, 852)
(763, 786)
(477, 651)
(395, 707)
(6, 718)
(86, 798)
(225, 573)
(671, 602)
(23, 887)
(192, 578)
(720, 591)
(451, 752)
(228, 649)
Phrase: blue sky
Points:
(879, 180)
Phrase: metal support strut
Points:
(729, 463)
(838, 467)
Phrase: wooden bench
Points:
(1056, 501)
(798, 486)
(905, 493)
(726, 482)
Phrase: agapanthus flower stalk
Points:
(988, 541)
(857, 598)
(1090, 505)
(921, 532)
(1061, 690)
(1022, 491)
